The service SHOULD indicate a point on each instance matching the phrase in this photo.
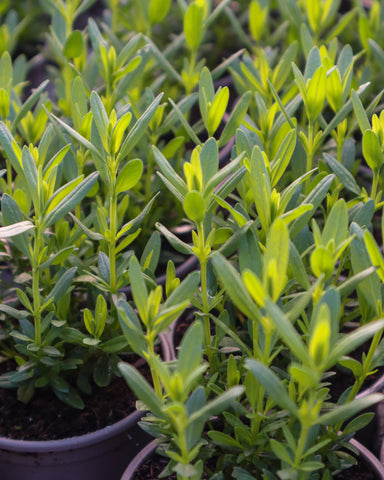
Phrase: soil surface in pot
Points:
(151, 469)
(45, 417)
(357, 472)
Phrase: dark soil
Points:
(357, 472)
(152, 468)
(45, 417)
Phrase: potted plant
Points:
(280, 234)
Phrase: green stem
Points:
(301, 445)
(190, 84)
(155, 377)
(375, 183)
(113, 228)
(367, 366)
(36, 281)
(310, 155)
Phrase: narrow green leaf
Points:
(72, 199)
(62, 285)
(235, 119)
(15, 229)
(343, 412)
(141, 388)
(139, 289)
(272, 384)
(139, 129)
(344, 176)
(217, 405)
(360, 112)
(235, 287)
(351, 341)
(176, 243)
(287, 332)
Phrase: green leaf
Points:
(217, 110)
(100, 117)
(74, 45)
(185, 123)
(261, 187)
(287, 332)
(217, 405)
(28, 104)
(4, 103)
(141, 388)
(374, 253)
(280, 451)
(193, 25)
(343, 412)
(158, 10)
(336, 225)
(272, 384)
(13, 215)
(283, 156)
(315, 197)
(194, 206)
(351, 341)
(13, 312)
(86, 143)
(372, 150)
(139, 289)
(190, 353)
(358, 423)
(102, 372)
(236, 117)
(344, 176)
(11, 148)
(89, 233)
(276, 258)
(360, 112)
(170, 174)
(104, 268)
(316, 91)
(224, 439)
(231, 280)
(71, 200)
(176, 243)
(15, 229)
(138, 130)
(322, 262)
(129, 176)
(184, 291)
(62, 285)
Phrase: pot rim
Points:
(80, 441)
(369, 458)
(139, 459)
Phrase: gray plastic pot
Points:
(100, 455)
(370, 461)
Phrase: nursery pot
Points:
(372, 464)
(99, 455)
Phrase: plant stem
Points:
(301, 445)
(310, 155)
(113, 228)
(36, 281)
(375, 182)
(366, 367)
